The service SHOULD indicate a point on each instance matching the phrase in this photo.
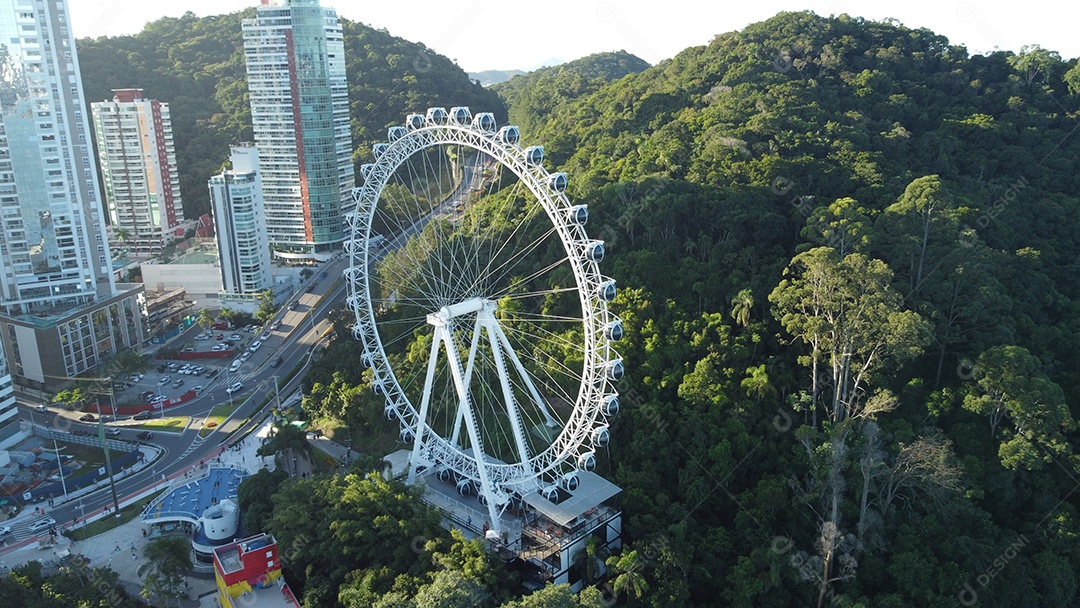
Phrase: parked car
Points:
(145, 436)
(87, 418)
(164, 380)
(147, 395)
(198, 389)
(235, 337)
(218, 347)
(143, 415)
(236, 386)
(178, 383)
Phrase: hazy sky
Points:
(511, 34)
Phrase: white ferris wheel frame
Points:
(597, 399)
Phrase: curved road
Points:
(294, 342)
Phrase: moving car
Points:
(42, 524)
(5, 530)
(236, 386)
(277, 361)
(143, 415)
(164, 380)
(145, 436)
(113, 432)
(41, 408)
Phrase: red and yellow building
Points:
(248, 573)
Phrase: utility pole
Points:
(105, 446)
(277, 394)
(60, 465)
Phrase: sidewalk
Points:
(122, 547)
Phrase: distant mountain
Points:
(196, 64)
(533, 95)
(490, 77)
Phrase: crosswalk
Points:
(25, 528)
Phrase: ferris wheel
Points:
(482, 310)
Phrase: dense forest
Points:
(846, 255)
(197, 66)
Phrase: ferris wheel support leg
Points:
(508, 395)
(424, 403)
(460, 385)
(468, 376)
(525, 377)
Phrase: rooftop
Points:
(190, 500)
(196, 257)
(229, 557)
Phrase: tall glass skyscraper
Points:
(61, 312)
(300, 113)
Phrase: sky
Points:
(510, 34)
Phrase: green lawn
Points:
(171, 424)
(217, 416)
(109, 522)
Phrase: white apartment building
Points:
(138, 167)
(239, 217)
(300, 113)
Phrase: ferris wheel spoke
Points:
(508, 407)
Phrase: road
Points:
(294, 341)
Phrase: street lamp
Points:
(82, 513)
(60, 465)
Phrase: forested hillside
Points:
(196, 64)
(847, 264)
(847, 260)
(847, 255)
(531, 96)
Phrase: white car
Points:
(218, 347)
(5, 530)
(236, 386)
(256, 345)
(235, 365)
(198, 389)
(164, 380)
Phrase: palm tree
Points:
(168, 559)
(629, 577)
(591, 560)
(741, 305)
(206, 318)
(287, 440)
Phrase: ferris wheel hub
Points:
(466, 307)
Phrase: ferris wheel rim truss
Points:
(498, 480)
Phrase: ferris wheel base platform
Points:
(540, 536)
